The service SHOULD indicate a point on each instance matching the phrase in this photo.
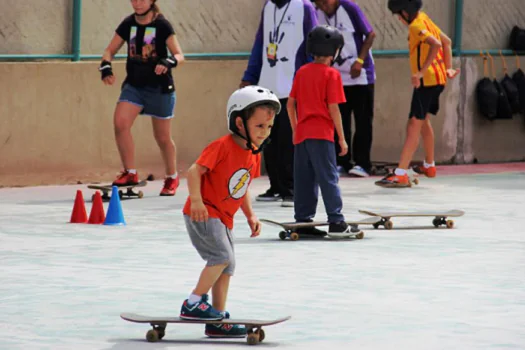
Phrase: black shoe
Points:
(339, 227)
(288, 202)
(268, 196)
(311, 231)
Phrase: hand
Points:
(355, 71)
(109, 80)
(160, 69)
(199, 212)
(344, 147)
(255, 226)
(416, 80)
(453, 72)
(244, 83)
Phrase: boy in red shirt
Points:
(317, 92)
(218, 185)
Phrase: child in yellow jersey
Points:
(430, 53)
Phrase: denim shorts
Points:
(153, 102)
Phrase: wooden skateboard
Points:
(290, 228)
(253, 327)
(106, 189)
(440, 218)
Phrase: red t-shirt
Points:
(315, 87)
(230, 171)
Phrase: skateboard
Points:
(289, 228)
(158, 324)
(106, 189)
(440, 218)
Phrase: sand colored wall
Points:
(44, 26)
(56, 119)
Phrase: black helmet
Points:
(324, 40)
(410, 6)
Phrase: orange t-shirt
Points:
(231, 169)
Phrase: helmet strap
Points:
(248, 139)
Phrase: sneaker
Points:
(170, 186)
(311, 231)
(339, 229)
(268, 196)
(287, 202)
(126, 179)
(201, 310)
(358, 171)
(223, 330)
(422, 170)
(393, 180)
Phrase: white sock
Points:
(426, 165)
(400, 172)
(174, 176)
(193, 298)
(132, 171)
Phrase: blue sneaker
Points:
(221, 330)
(201, 310)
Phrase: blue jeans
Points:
(153, 102)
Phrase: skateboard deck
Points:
(381, 168)
(440, 218)
(158, 324)
(290, 228)
(106, 189)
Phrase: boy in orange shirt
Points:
(218, 186)
(430, 53)
(313, 109)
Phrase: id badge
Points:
(272, 51)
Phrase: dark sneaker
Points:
(311, 231)
(222, 330)
(339, 229)
(268, 196)
(201, 310)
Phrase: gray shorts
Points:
(214, 242)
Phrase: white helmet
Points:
(246, 97)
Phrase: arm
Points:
(447, 53)
(198, 209)
(105, 66)
(292, 113)
(367, 45)
(173, 61)
(335, 113)
(435, 46)
(253, 71)
(246, 206)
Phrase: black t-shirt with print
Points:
(146, 47)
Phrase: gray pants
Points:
(213, 241)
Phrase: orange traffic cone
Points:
(79, 214)
(97, 215)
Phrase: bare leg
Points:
(162, 133)
(428, 140)
(208, 277)
(124, 117)
(220, 292)
(411, 143)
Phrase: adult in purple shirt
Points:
(356, 65)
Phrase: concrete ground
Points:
(63, 286)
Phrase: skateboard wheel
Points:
(141, 194)
(282, 235)
(416, 181)
(450, 223)
(376, 226)
(389, 224)
(152, 336)
(92, 197)
(435, 222)
(294, 236)
(253, 338)
(261, 335)
(120, 194)
(360, 235)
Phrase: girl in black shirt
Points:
(148, 88)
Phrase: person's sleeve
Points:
(361, 23)
(309, 22)
(253, 71)
(335, 93)
(123, 29)
(168, 28)
(212, 155)
(419, 31)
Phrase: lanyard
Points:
(276, 30)
(328, 22)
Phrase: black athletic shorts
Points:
(425, 100)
